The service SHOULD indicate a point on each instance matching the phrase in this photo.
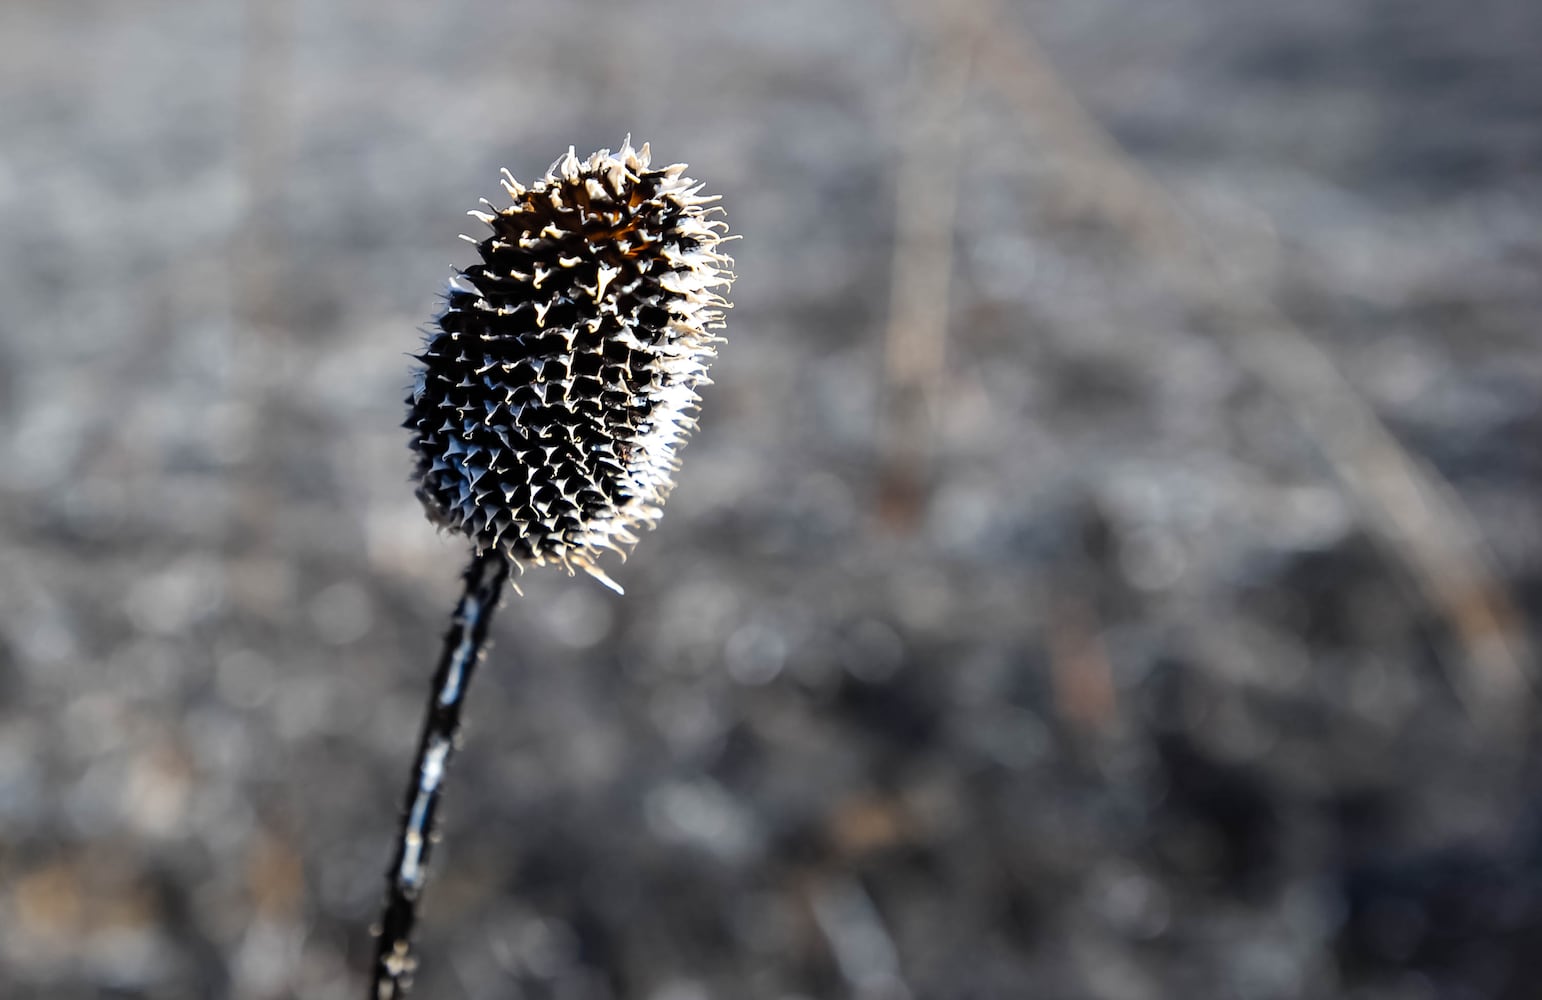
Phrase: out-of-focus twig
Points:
(1083, 679)
(1408, 506)
(925, 207)
(860, 943)
(262, 151)
(263, 138)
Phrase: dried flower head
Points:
(562, 376)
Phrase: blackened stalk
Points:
(463, 646)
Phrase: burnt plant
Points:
(555, 390)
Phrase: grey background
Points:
(1039, 613)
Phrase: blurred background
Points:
(1108, 567)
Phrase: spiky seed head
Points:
(560, 380)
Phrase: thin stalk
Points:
(463, 646)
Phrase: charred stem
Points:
(463, 646)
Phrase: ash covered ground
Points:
(1108, 566)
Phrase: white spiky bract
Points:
(561, 379)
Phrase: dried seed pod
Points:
(562, 376)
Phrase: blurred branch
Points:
(262, 154)
(860, 943)
(1410, 509)
(1086, 696)
(256, 245)
(925, 208)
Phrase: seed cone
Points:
(562, 376)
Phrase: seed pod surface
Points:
(561, 378)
